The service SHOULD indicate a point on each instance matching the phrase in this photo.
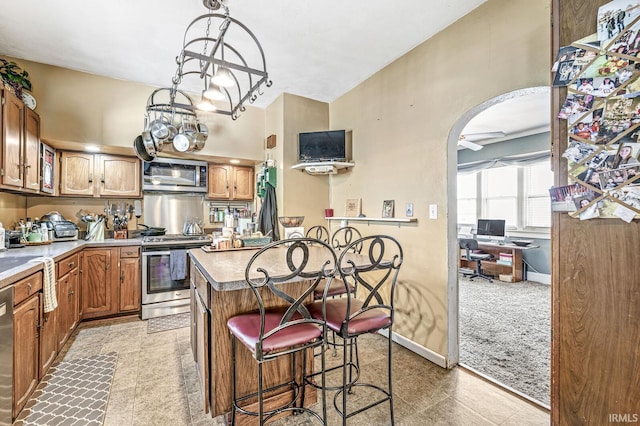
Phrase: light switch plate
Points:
(433, 211)
(409, 210)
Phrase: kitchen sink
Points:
(7, 263)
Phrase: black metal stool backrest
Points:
(318, 232)
(375, 271)
(343, 238)
(287, 261)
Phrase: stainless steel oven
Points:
(164, 293)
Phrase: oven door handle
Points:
(156, 253)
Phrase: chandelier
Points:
(223, 57)
(227, 58)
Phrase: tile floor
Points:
(155, 383)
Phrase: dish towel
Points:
(178, 264)
(48, 283)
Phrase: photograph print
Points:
(387, 208)
(613, 17)
(627, 42)
(575, 106)
(578, 151)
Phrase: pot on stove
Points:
(192, 226)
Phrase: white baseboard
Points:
(426, 353)
(539, 278)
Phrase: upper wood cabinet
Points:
(20, 153)
(99, 175)
(228, 182)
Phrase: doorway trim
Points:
(453, 346)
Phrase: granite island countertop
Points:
(15, 263)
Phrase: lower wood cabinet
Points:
(110, 281)
(48, 339)
(130, 286)
(26, 345)
(68, 313)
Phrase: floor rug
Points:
(74, 392)
(168, 322)
(505, 333)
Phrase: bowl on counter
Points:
(291, 221)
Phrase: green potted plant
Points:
(14, 76)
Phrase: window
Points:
(518, 194)
(537, 204)
(467, 195)
(500, 194)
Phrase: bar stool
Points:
(272, 332)
(376, 273)
(340, 240)
(318, 232)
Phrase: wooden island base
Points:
(212, 304)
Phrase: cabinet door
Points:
(76, 174)
(98, 298)
(130, 284)
(31, 154)
(68, 316)
(219, 181)
(119, 176)
(26, 320)
(48, 339)
(12, 136)
(243, 183)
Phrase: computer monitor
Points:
(490, 229)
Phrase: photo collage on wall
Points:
(602, 109)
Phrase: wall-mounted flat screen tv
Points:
(322, 146)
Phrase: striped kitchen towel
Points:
(48, 283)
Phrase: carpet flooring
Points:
(168, 322)
(505, 333)
(73, 393)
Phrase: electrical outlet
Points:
(433, 211)
(409, 210)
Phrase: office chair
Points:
(470, 244)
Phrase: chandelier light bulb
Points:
(214, 93)
(205, 104)
(223, 78)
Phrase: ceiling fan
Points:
(468, 140)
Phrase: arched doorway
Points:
(489, 330)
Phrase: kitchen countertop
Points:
(15, 263)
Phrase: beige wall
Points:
(12, 209)
(401, 118)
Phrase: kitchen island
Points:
(219, 292)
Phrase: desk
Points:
(516, 269)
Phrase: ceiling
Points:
(318, 50)
(517, 114)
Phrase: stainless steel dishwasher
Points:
(6, 355)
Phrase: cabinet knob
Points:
(71, 264)
(28, 288)
(90, 177)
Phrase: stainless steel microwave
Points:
(174, 175)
